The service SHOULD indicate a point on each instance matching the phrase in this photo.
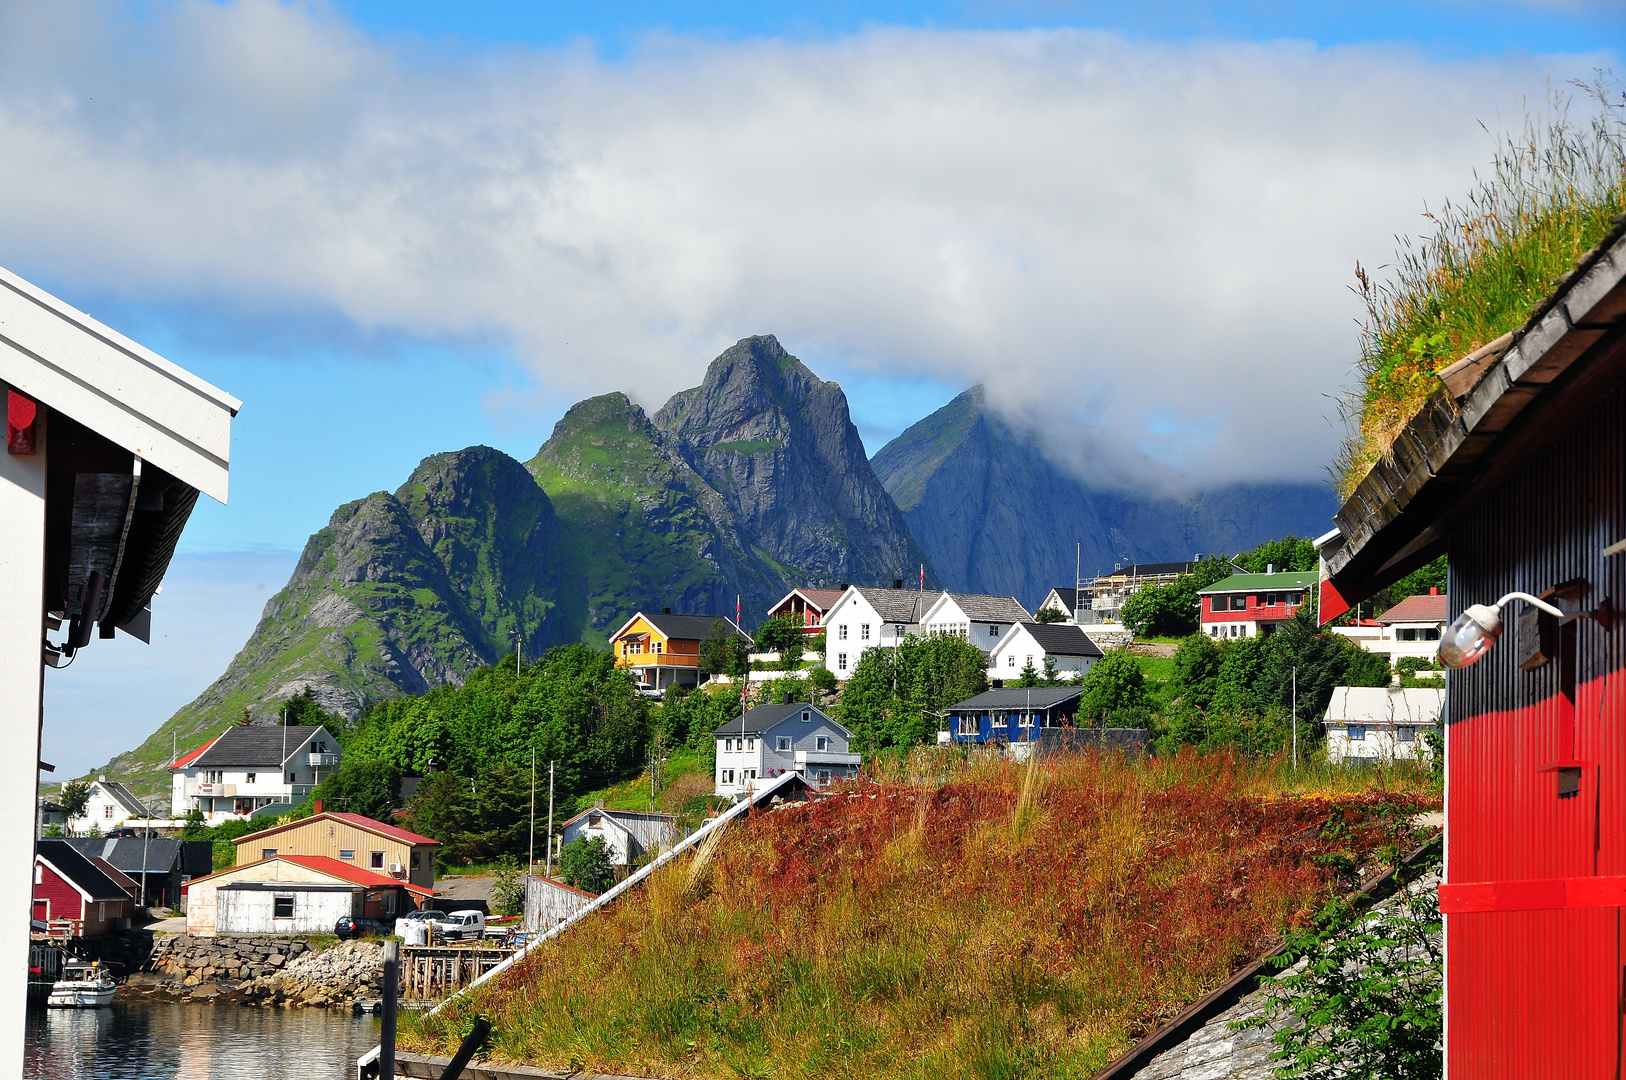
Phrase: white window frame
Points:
(841, 632)
(726, 776)
(863, 631)
(782, 744)
(841, 661)
(821, 742)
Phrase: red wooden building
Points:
(1516, 468)
(74, 896)
(808, 606)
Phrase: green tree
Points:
(194, 827)
(785, 636)
(1172, 610)
(1196, 670)
(440, 810)
(724, 652)
(303, 710)
(508, 892)
(1050, 615)
(1029, 676)
(1296, 553)
(369, 787)
(822, 681)
(894, 695)
(75, 795)
(1113, 684)
(586, 864)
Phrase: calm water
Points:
(195, 1042)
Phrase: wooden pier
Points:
(434, 972)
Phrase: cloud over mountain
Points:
(1153, 240)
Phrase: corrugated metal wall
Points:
(1538, 993)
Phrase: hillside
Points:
(1009, 922)
(994, 514)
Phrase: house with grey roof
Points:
(981, 620)
(865, 617)
(159, 865)
(1027, 644)
(109, 806)
(1013, 714)
(252, 770)
(771, 740)
(630, 836)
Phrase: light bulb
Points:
(1471, 636)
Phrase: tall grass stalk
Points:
(1011, 920)
(1550, 195)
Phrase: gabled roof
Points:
(124, 881)
(682, 627)
(1039, 697)
(1287, 579)
(79, 871)
(124, 797)
(1067, 597)
(766, 717)
(257, 745)
(1383, 705)
(645, 815)
(979, 607)
(1494, 408)
(903, 606)
(192, 755)
(1422, 608)
(818, 599)
(1057, 639)
(325, 864)
(366, 824)
(131, 854)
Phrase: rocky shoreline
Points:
(262, 971)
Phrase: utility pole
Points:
(1295, 719)
(530, 858)
(549, 856)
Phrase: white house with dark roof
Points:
(630, 835)
(110, 805)
(866, 617)
(771, 740)
(250, 768)
(1370, 724)
(1033, 643)
(981, 620)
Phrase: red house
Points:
(73, 896)
(808, 606)
(1248, 605)
(1516, 468)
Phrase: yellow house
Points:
(664, 650)
(351, 839)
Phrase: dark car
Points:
(348, 927)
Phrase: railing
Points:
(658, 660)
(212, 790)
(318, 760)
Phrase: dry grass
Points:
(1011, 921)
(1550, 196)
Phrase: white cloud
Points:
(1154, 238)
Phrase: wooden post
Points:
(22, 675)
(386, 1035)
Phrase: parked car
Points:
(349, 927)
(462, 924)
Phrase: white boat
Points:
(85, 984)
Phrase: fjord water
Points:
(195, 1042)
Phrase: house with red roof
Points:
(807, 606)
(253, 770)
(351, 839)
(1410, 628)
(294, 894)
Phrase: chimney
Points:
(317, 808)
(666, 611)
(844, 586)
(1270, 568)
(1433, 590)
(897, 583)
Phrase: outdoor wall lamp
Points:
(1480, 626)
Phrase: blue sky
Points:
(395, 228)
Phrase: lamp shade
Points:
(1471, 636)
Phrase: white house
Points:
(1073, 651)
(108, 446)
(771, 740)
(1062, 600)
(866, 617)
(1411, 628)
(981, 620)
(1367, 724)
(110, 805)
(252, 769)
(630, 835)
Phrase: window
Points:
(1357, 732)
(389, 902)
(101, 911)
(822, 743)
(968, 725)
(748, 774)
(841, 661)
(728, 776)
(1010, 659)
(782, 744)
(213, 776)
(1026, 720)
(824, 777)
(250, 778)
(347, 853)
(841, 632)
(290, 778)
(863, 632)
(415, 860)
(807, 716)
(751, 743)
(107, 811)
(658, 647)
(377, 860)
(1405, 733)
(268, 853)
(993, 631)
(282, 907)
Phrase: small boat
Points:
(85, 984)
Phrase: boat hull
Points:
(80, 997)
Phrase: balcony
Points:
(826, 757)
(211, 790)
(322, 761)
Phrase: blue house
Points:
(1015, 714)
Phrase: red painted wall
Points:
(65, 901)
(1255, 611)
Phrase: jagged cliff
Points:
(995, 514)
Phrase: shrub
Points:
(1113, 683)
(586, 864)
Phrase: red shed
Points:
(74, 895)
(1516, 467)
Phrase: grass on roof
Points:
(1551, 195)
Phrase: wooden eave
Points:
(1493, 408)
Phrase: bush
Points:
(893, 694)
(508, 894)
(586, 864)
(1051, 615)
(1114, 683)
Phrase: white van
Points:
(462, 925)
